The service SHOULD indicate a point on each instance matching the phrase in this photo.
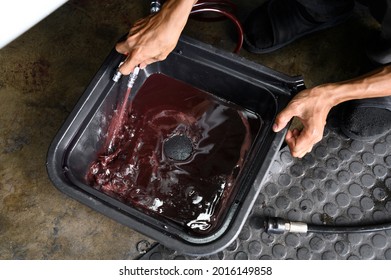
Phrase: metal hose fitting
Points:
(155, 6)
(133, 77)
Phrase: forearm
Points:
(374, 84)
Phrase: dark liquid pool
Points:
(178, 154)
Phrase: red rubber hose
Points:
(225, 9)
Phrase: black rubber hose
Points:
(276, 225)
(348, 229)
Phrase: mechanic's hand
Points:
(152, 38)
(311, 107)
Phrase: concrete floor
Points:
(44, 72)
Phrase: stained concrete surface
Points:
(44, 72)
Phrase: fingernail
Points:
(275, 127)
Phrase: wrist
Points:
(337, 93)
(177, 12)
(325, 96)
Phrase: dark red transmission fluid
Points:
(177, 153)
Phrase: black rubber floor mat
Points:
(341, 182)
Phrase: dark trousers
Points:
(323, 10)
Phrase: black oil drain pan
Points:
(228, 77)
